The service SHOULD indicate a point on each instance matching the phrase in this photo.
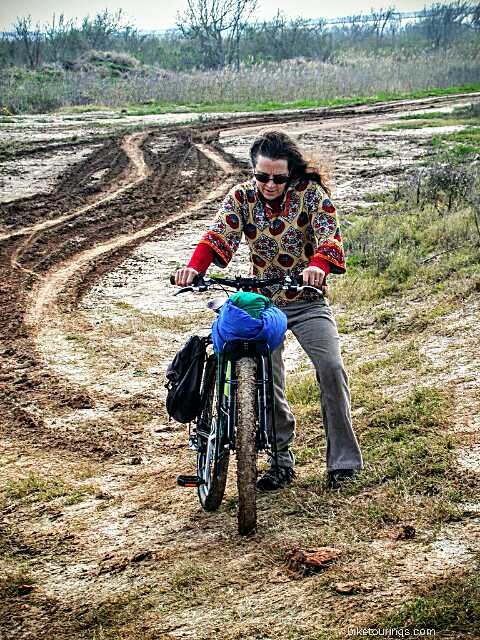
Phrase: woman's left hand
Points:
(314, 276)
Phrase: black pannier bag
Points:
(184, 375)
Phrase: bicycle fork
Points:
(227, 385)
(267, 437)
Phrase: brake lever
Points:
(183, 290)
(299, 288)
(309, 286)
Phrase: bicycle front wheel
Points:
(212, 471)
(245, 446)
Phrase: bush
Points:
(109, 63)
(447, 184)
(443, 184)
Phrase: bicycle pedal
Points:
(189, 481)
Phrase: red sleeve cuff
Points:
(201, 258)
(321, 263)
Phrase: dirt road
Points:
(88, 322)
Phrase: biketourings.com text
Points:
(391, 632)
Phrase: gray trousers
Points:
(313, 325)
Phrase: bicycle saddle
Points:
(215, 304)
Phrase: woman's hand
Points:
(314, 276)
(185, 276)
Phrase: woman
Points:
(290, 225)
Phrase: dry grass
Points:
(447, 604)
(352, 75)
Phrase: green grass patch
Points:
(408, 456)
(395, 248)
(386, 153)
(14, 583)
(466, 113)
(161, 108)
(76, 337)
(464, 116)
(420, 320)
(401, 439)
(432, 123)
(423, 410)
(467, 142)
(429, 115)
(304, 398)
(35, 488)
(306, 454)
(407, 439)
(448, 603)
(85, 108)
(406, 356)
(127, 306)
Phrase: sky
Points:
(161, 14)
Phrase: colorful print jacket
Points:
(306, 227)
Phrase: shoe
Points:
(275, 478)
(340, 476)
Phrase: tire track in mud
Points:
(103, 165)
(76, 247)
(44, 306)
(139, 172)
(180, 173)
(131, 146)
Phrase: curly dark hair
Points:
(277, 145)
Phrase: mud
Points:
(86, 330)
(25, 177)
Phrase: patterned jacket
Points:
(306, 227)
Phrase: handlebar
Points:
(202, 283)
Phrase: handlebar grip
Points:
(196, 279)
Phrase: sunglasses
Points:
(278, 179)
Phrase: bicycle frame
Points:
(229, 400)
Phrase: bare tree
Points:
(31, 38)
(475, 16)
(217, 27)
(283, 39)
(59, 35)
(443, 20)
(380, 20)
(98, 31)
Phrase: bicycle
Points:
(236, 402)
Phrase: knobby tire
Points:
(211, 495)
(245, 446)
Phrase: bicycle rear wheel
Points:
(245, 446)
(211, 471)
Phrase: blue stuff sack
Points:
(234, 323)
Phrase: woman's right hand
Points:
(185, 276)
